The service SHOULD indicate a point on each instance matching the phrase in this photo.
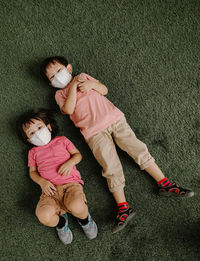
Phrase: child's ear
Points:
(69, 68)
(49, 127)
(28, 140)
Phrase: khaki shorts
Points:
(64, 194)
(103, 148)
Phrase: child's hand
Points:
(47, 187)
(66, 168)
(74, 83)
(86, 86)
(81, 78)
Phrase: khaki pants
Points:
(64, 200)
(103, 148)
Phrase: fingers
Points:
(83, 89)
(61, 170)
(67, 172)
(65, 169)
(50, 189)
(85, 86)
(49, 192)
(85, 83)
(81, 84)
(81, 78)
(53, 187)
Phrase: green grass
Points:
(148, 54)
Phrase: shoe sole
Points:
(119, 228)
(171, 194)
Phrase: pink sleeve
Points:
(69, 145)
(60, 99)
(31, 158)
(88, 77)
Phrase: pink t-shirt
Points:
(93, 112)
(50, 157)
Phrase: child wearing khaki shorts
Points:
(83, 98)
(52, 165)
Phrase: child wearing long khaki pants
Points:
(83, 98)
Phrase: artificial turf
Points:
(147, 52)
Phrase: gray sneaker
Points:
(64, 233)
(90, 229)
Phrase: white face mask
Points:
(41, 137)
(61, 79)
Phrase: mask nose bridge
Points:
(38, 132)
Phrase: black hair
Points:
(49, 60)
(38, 114)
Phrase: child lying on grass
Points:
(52, 165)
(83, 98)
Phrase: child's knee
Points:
(143, 158)
(45, 214)
(78, 208)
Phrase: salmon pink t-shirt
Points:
(93, 111)
(50, 157)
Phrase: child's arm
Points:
(70, 101)
(66, 168)
(87, 85)
(46, 186)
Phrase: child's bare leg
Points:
(47, 212)
(47, 215)
(166, 188)
(125, 213)
(75, 203)
(155, 172)
(78, 208)
(119, 196)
